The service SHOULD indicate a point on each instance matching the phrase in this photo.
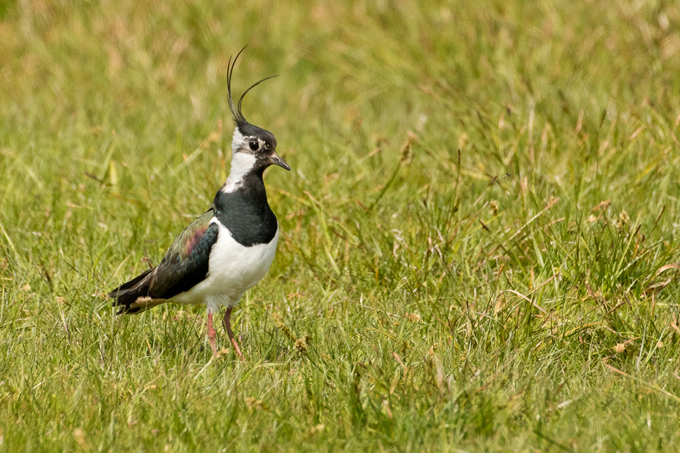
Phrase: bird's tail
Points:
(133, 296)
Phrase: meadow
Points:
(479, 238)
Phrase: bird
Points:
(229, 248)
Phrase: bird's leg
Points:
(211, 333)
(226, 322)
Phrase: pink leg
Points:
(211, 333)
(226, 322)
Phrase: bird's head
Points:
(251, 146)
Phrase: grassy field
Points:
(479, 234)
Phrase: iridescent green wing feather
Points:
(186, 262)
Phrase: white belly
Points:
(233, 269)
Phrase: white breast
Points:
(233, 269)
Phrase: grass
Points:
(479, 235)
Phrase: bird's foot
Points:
(236, 348)
(226, 322)
(211, 334)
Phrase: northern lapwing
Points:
(227, 250)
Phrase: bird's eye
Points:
(254, 145)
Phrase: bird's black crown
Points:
(248, 130)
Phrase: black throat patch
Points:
(246, 213)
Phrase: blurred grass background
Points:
(479, 235)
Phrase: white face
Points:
(237, 142)
(249, 152)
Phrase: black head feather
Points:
(238, 117)
(236, 111)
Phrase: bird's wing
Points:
(186, 262)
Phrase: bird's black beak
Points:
(276, 160)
